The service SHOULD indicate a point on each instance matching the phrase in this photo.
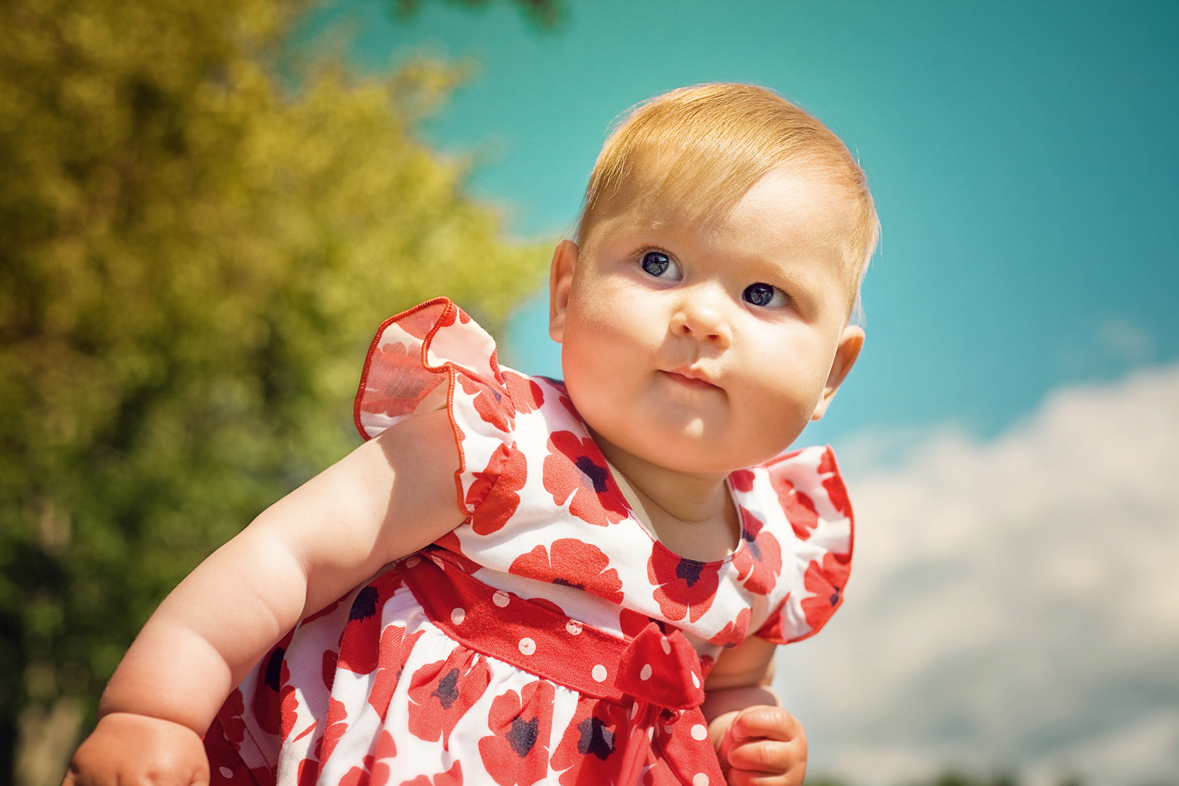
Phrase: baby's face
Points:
(706, 349)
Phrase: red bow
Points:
(662, 674)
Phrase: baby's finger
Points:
(772, 723)
(766, 756)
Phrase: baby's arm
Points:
(757, 741)
(388, 498)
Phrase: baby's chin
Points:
(688, 452)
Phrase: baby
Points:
(518, 580)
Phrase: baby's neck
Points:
(693, 515)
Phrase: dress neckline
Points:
(644, 518)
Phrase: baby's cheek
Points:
(778, 413)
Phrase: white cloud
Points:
(1116, 345)
(1014, 604)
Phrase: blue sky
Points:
(1013, 604)
(1022, 156)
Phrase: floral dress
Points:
(550, 638)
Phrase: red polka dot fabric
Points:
(549, 638)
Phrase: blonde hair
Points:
(702, 148)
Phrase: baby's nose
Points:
(704, 320)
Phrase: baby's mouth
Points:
(690, 378)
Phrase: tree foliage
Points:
(546, 14)
(192, 262)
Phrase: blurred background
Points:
(207, 208)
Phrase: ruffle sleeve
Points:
(435, 356)
(816, 555)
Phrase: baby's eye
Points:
(660, 265)
(765, 295)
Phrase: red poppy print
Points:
(327, 668)
(798, 507)
(274, 702)
(226, 767)
(742, 480)
(567, 403)
(495, 492)
(418, 322)
(571, 563)
(337, 725)
(396, 647)
(825, 583)
(493, 363)
(734, 632)
(759, 562)
(517, 753)
(308, 772)
(833, 483)
(774, 628)
(592, 747)
(826, 463)
(326, 610)
(575, 471)
(525, 394)
(441, 692)
(492, 405)
(396, 382)
(837, 493)
(374, 769)
(230, 716)
(360, 641)
(684, 587)
(452, 777)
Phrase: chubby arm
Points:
(756, 740)
(388, 498)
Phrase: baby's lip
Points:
(692, 377)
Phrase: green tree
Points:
(192, 261)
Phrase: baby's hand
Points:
(763, 746)
(135, 750)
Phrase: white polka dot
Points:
(500, 598)
(412, 562)
(226, 772)
(599, 673)
(669, 730)
(699, 779)
(573, 627)
(699, 732)
(645, 674)
(527, 646)
(436, 560)
(666, 645)
(634, 710)
(695, 681)
(650, 732)
(457, 616)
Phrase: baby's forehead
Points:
(794, 205)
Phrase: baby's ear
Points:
(850, 344)
(560, 282)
